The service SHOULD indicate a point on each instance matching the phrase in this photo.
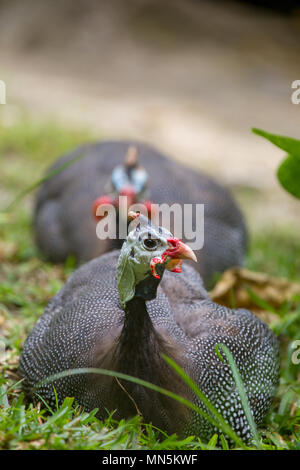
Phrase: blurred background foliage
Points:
(190, 76)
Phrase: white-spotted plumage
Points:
(87, 309)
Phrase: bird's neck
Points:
(140, 346)
(139, 353)
(139, 343)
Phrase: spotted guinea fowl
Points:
(122, 312)
(64, 222)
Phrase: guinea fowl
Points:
(122, 311)
(65, 225)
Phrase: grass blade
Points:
(218, 418)
(14, 385)
(242, 392)
(220, 423)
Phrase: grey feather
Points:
(84, 320)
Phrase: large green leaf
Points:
(288, 172)
(289, 175)
(290, 145)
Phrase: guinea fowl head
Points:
(146, 253)
(128, 180)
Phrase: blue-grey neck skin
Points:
(135, 177)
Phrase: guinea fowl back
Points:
(81, 327)
(64, 223)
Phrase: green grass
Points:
(27, 283)
(276, 253)
(27, 149)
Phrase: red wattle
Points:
(151, 208)
(130, 194)
(100, 201)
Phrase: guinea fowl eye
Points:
(150, 244)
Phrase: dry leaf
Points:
(232, 290)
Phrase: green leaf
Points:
(288, 174)
(290, 145)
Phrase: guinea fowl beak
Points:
(179, 250)
(173, 256)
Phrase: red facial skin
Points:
(176, 252)
(127, 191)
(100, 201)
(176, 248)
(130, 193)
(151, 208)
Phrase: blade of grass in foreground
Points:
(14, 385)
(223, 424)
(242, 392)
(37, 183)
(216, 420)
